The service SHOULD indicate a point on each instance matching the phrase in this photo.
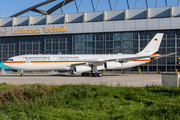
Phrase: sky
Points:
(10, 7)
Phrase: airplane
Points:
(87, 65)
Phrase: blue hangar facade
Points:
(99, 32)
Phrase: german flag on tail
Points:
(154, 54)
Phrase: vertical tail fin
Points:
(153, 45)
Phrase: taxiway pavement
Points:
(134, 80)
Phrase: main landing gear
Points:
(92, 74)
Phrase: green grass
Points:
(88, 102)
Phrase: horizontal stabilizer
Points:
(160, 56)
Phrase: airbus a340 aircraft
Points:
(87, 65)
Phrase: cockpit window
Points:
(9, 60)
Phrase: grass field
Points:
(88, 102)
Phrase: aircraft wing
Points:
(101, 62)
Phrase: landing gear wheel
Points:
(22, 75)
(83, 74)
(73, 73)
(99, 74)
(94, 74)
(89, 74)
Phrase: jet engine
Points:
(113, 65)
(81, 69)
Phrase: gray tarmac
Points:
(134, 80)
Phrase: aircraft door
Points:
(55, 59)
(27, 60)
(21, 60)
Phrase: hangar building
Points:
(99, 32)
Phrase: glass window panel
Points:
(117, 44)
(99, 36)
(178, 52)
(48, 52)
(55, 46)
(91, 37)
(0, 47)
(5, 55)
(134, 44)
(171, 68)
(143, 43)
(134, 35)
(99, 45)
(28, 52)
(11, 54)
(109, 36)
(162, 51)
(170, 50)
(178, 42)
(178, 33)
(126, 36)
(48, 39)
(109, 44)
(35, 52)
(22, 46)
(76, 37)
(11, 40)
(91, 51)
(154, 62)
(171, 34)
(35, 46)
(22, 53)
(163, 43)
(76, 51)
(152, 68)
(69, 37)
(126, 51)
(126, 44)
(11, 47)
(1, 40)
(143, 68)
(99, 51)
(91, 45)
(63, 46)
(76, 45)
(152, 34)
(117, 36)
(170, 60)
(84, 45)
(5, 47)
(162, 68)
(29, 46)
(116, 51)
(48, 46)
(134, 51)
(171, 43)
(143, 35)
(63, 38)
(84, 37)
(162, 61)
(109, 51)
(83, 51)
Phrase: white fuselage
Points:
(64, 62)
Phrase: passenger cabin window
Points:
(9, 60)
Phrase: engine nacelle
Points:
(80, 69)
(113, 65)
